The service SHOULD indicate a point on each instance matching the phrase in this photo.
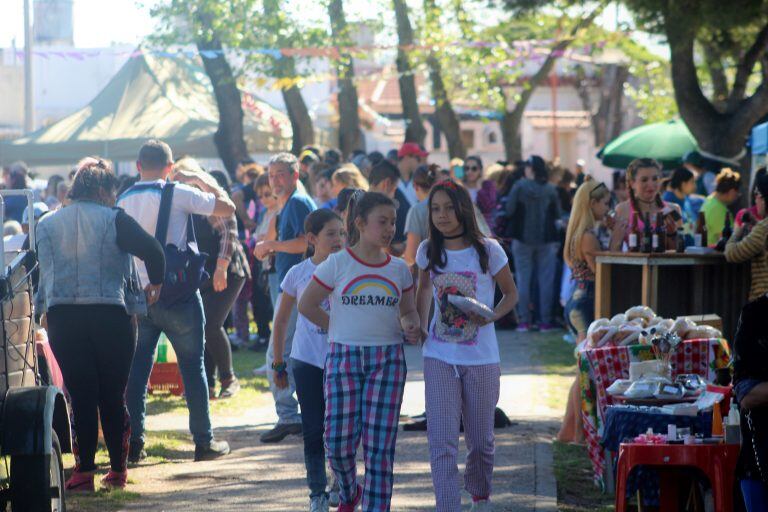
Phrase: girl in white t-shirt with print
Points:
(461, 354)
(325, 234)
(373, 311)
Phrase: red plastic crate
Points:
(166, 377)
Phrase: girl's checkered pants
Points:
(363, 394)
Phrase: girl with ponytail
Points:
(644, 185)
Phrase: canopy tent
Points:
(667, 142)
(169, 98)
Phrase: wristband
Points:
(279, 367)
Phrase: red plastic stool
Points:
(717, 461)
(166, 377)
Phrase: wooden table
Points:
(672, 285)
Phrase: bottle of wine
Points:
(700, 237)
(647, 244)
(680, 241)
(660, 234)
(633, 240)
(727, 233)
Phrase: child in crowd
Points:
(325, 235)
(461, 354)
(372, 311)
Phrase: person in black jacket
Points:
(750, 378)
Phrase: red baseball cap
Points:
(411, 148)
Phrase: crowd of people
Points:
(303, 244)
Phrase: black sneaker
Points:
(214, 450)
(229, 388)
(136, 452)
(280, 432)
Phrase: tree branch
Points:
(554, 53)
(745, 67)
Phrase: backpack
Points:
(184, 267)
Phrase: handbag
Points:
(184, 267)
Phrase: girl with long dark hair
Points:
(325, 236)
(461, 353)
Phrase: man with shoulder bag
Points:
(164, 208)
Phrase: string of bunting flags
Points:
(518, 47)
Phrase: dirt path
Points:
(272, 477)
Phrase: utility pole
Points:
(29, 100)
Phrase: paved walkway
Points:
(271, 477)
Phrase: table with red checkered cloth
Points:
(601, 367)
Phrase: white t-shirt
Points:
(452, 338)
(310, 342)
(142, 202)
(365, 298)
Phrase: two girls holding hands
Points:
(373, 310)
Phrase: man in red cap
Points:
(409, 157)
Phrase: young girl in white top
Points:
(461, 354)
(372, 311)
(325, 235)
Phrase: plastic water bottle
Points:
(733, 414)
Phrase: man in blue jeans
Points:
(183, 322)
(288, 249)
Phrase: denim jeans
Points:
(580, 309)
(542, 258)
(286, 405)
(755, 495)
(309, 389)
(183, 324)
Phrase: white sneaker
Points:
(318, 503)
(261, 370)
(481, 506)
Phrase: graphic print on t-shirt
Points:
(453, 325)
(370, 290)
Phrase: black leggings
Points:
(261, 303)
(94, 346)
(218, 352)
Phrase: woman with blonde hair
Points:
(348, 176)
(590, 205)
(228, 267)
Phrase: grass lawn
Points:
(573, 471)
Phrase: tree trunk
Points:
(350, 135)
(301, 122)
(229, 137)
(607, 119)
(719, 133)
(302, 127)
(414, 125)
(511, 137)
(446, 116)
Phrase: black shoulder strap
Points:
(164, 213)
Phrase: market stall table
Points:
(600, 367)
(672, 285)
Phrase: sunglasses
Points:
(595, 190)
(471, 168)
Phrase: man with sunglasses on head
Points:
(295, 205)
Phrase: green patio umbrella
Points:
(667, 142)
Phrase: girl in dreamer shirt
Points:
(372, 311)
(325, 234)
(461, 354)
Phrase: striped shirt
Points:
(752, 248)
